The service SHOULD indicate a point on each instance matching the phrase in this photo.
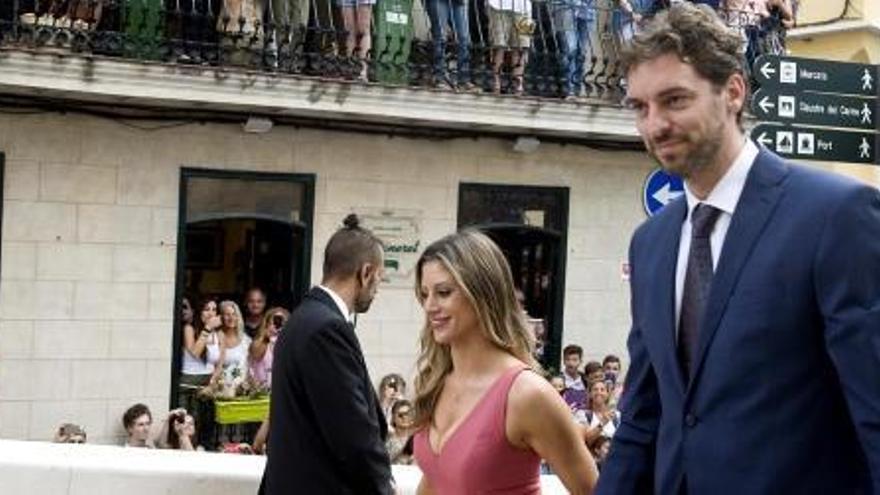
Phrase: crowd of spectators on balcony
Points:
(565, 48)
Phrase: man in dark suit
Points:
(327, 430)
(755, 340)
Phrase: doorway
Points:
(529, 224)
(237, 231)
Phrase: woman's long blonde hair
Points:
(482, 273)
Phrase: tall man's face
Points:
(681, 116)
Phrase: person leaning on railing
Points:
(574, 25)
(442, 14)
(762, 24)
(510, 31)
(357, 22)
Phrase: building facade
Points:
(131, 180)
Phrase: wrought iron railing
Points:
(556, 48)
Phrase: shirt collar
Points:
(726, 193)
(343, 308)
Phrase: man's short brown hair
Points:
(698, 36)
(573, 349)
(133, 413)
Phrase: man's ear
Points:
(365, 272)
(736, 92)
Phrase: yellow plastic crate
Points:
(234, 411)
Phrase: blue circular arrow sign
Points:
(660, 188)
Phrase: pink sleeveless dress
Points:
(477, 458)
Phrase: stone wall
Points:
(89, 246)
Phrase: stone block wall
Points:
(89, 243)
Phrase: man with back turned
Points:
(327, 430)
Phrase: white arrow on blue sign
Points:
(660, 188)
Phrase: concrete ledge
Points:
(117, 81)
(66, 469)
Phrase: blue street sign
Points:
(660, 188)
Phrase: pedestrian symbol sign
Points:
(818, 144)
(821, 109)
(826, 110)
(807, 74)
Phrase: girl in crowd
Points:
(391, 389)
(178, 431)
(399, 443)
(602, 419)
(196, 371)
(228, 349)
(477, 379)
(263, 347)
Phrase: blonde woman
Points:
(228, 349)
(485, 417)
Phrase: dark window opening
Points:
(529, 223)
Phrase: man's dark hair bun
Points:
(351, 221)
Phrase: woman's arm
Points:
(159, 438)
(195, 344)
(218, 366)
(538, 419)
(183, 439)
(259, 345)
(590, 434)
(261, 438)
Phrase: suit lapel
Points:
(759, 198)
(667, 250)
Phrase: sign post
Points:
(819, 144)
(822, 109)
(806, 74)
(819, 109)
(660, 189)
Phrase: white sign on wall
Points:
(401, 232)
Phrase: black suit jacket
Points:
(327, 429)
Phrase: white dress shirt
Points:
(724, 196)
(343, 308)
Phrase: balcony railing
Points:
(533, 48)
